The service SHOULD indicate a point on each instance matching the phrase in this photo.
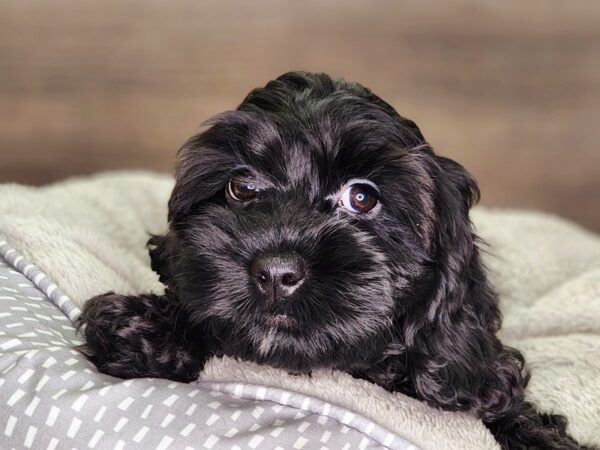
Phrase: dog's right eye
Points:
(241, 190)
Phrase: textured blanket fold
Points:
(89, 236)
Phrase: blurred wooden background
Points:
(511, 89)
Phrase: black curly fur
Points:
(400, 297)
(141, 336)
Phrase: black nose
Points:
(278, 276)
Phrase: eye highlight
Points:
(241, 189)
(359, 198)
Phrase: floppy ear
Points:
(199, 174)
(187, 192)
(460, 179)
(162, 249)
(456, 361)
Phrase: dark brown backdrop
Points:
(511, 89)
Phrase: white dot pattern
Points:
(52, 397)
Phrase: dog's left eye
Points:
(359, 198)
(241, 190)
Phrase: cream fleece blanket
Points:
(89, 235)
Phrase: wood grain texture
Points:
(510, 89)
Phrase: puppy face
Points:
(306, 224)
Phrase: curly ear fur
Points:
(456, 362)
(160, 248)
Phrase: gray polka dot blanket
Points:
(64, 243)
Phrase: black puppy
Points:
(314, 227)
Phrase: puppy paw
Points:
(137, 337)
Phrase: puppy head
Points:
(306, 225)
